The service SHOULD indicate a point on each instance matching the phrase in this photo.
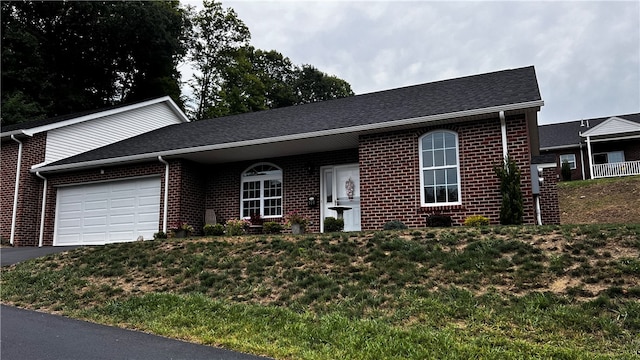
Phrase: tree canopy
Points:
(64, 57)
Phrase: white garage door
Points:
(105, 213)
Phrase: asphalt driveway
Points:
(13, 255)
(31, 335)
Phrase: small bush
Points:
(394, 225)
(332, 224)
(272, 227)
(160, 235)
(213, 230)
(439, 220)
(237, 227)
(476, 220)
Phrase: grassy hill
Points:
(603, 201)
(567, 292)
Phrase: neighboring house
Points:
(28, 146)
(400, 154)
(595, 148)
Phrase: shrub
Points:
(394, 225)
(476, 220)
(272, 227)
(236, 227)
(437, 220)
(512, 208)
(160, 235)
(565, 170)
(213, 230)
(332, 224)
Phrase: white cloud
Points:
(586, 54)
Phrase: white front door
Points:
(341, 188)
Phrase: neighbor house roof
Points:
(36, 126)
(507, 90)
(567, 134)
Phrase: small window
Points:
(261, 191)
(440, 173)
(570, 158)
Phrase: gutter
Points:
(338, 131)
(43, 209)
(16, 186)
(166, 193)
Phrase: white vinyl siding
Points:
(110, 212)
(88, 135)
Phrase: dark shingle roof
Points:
(500, 88)
(567, 134)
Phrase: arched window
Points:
(439, 168)
(261, 191)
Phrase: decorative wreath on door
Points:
(350, 187)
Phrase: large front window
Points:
(439, 175)
(261, 191)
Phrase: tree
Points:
(512, 208)
(311, 85)
(65, 57)
(218, 34)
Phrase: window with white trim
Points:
(439, 169)
(570, 158)
(261, 191)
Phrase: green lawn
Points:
(568, 292)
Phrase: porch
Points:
(624, 168)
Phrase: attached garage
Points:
(110, 212)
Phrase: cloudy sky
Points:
(586, 54)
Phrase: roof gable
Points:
(568, 134)
(33, 127)
(613, 126)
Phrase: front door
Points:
(341, 189)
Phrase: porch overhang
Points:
(296, 144)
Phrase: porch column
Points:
(590, 157)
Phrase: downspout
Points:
(503, 130)
(44, 207)
(14, 215)
(166, 193)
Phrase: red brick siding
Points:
(390, 173)
(549, 210)
(192, 196)
(29, 193)
(300, 176)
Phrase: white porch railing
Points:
(626, 168)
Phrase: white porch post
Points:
(590, 157)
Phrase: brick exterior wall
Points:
(29, 193)
(390, 173)
(300, 176)
(389, 178)
(549, 210)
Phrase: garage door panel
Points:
(95, 205)
(109, 212)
